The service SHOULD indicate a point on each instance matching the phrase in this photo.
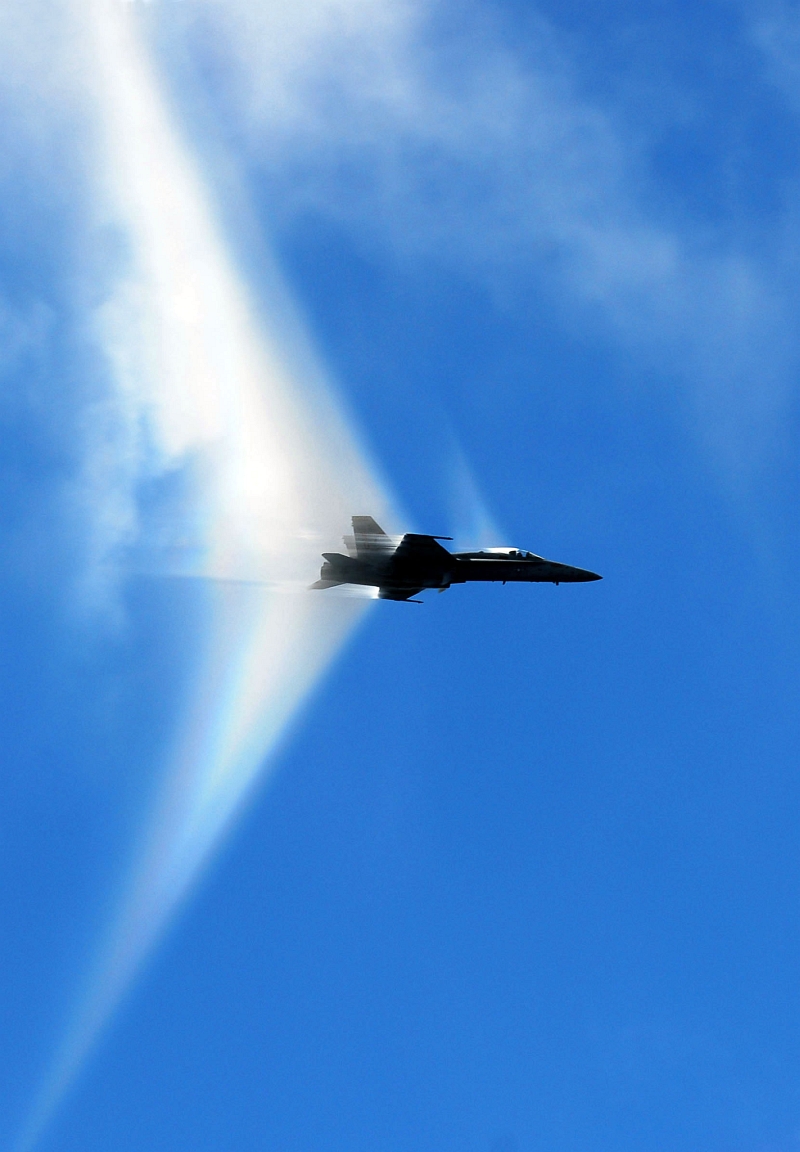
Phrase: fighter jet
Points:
(400, 570)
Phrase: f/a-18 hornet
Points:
(400, 570)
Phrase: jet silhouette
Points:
(400, 570)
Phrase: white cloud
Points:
(424, 131)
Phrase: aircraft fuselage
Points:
(420, 562)
(462, 567)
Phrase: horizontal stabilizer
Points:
(326, 584)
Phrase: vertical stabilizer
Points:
(370, 539)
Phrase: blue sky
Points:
(514, 871)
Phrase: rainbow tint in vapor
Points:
(206, 388)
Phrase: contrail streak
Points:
(276, 475)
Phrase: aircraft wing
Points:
(425, 548)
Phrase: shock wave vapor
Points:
(399, 570)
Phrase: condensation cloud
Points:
(229, 396)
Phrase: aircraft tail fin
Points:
(370, 539)
(366, 526)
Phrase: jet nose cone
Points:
(580, 575)
(569, 575)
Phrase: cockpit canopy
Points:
(509, 553)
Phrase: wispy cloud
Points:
(473, 525)
(775, 28)
(428, 132)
